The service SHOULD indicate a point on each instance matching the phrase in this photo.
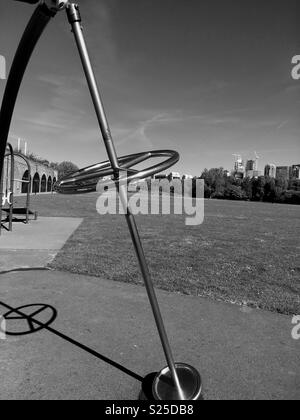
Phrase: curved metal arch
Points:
(36, 26)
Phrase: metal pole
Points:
(12, 185)
(75, 19)
(1, 196)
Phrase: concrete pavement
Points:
(241, 353)
(36, 244)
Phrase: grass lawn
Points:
(244, 252)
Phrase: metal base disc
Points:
(164, 389)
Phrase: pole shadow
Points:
(33, 325)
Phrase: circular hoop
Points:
(85, 180)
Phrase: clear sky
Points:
(208, 78)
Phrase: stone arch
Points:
(49, 184)
(25, 184)
(44, 184)
(36, 183)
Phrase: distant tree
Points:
(291, 197)
(282, 183)
(207, 191)
(215, 181)
(234, 192)
(264, 188)
(65, 169)
(270, 190)
(54, 165)
(247, 187)
(258, 188)
(294, 184)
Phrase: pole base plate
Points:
(164, 389)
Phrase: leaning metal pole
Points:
(75, 21)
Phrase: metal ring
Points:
(85, 180)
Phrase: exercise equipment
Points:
(178, 381)
(14, 213)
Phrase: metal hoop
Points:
(86, 180)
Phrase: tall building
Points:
(239, 167)
(270, 170)
(250, 166)
(295, 172)
(283, 172)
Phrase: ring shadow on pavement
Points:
(23, 321)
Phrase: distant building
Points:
(239, 167)
(270, 170)
(295, 172)
(187, 177)
(174, 175)
(161, 176)
(250, 165)
(283, 172)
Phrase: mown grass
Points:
(247, 253)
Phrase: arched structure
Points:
(36, 168)
(43, 184)
(8, 183)
(36, 180)
(49, 184)
(26, 183)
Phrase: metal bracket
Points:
(56, 5)
(73, 13)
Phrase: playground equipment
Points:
(7, 184)
(7, 190)
(177, 381)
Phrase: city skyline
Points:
(208, 80)
(24, 146)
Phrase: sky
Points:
(208, 78)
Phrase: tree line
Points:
(218, 185)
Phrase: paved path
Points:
(36, 244)
(241, 353)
